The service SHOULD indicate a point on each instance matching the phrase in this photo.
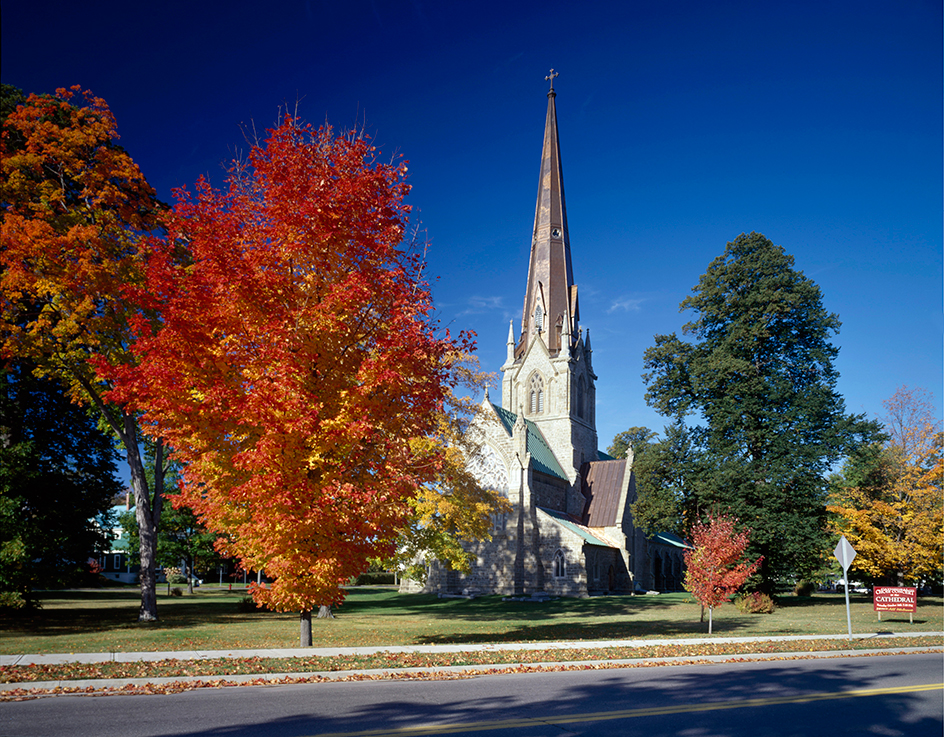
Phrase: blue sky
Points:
(682, 125)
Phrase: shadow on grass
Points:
(568, 631)
(822, 599)
(494, 608)
(86, 612)
(118, 611)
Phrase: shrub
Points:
(176, 592)
(248, 604)
(375, 578)
(755, 603)
(12, 600)
(804, 588)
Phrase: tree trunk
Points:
(324, 612)
(305, 628)
(147, 515)
(190, 575)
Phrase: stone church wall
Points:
(549, 492)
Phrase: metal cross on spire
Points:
(551, 78)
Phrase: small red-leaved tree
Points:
(297, 373)
(715, 568)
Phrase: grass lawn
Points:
(212, 619)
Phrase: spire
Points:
(551, 296)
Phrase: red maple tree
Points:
(297, 373)
(715, 567)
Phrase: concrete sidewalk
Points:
(130, 657)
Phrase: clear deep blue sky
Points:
(682, 125)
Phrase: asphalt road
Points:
(887, 695)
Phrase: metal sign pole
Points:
(845, 554)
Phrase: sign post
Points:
(845, 554)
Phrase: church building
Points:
(571, 531)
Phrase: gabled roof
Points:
(542, 456)
(589, 536)
(602, 484)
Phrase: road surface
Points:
(887, 695)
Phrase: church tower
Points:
(547, 375)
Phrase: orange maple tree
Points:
(75, 210)
(715, 567)
(297, 372)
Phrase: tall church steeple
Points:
(551, 295)
(547, 376)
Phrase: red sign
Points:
(895, 599)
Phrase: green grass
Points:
(212, 619)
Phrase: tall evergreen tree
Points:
(759, 384)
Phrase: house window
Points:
(118, 561)
(536, 394)
(560, 564)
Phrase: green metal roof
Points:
(541, 454)
(668, 538)
(588, 535)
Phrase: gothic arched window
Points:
(535, 394)
(581, 398)
(489, 470)
(560, 564)
(539, 318)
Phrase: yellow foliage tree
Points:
(887, 500)
(454, 507)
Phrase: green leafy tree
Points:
(181, 537)
(759, 381)
(57, 480)
(662, 471)
(660, 467)
(636, 438)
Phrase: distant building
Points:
(571, 531)
(116, 563)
